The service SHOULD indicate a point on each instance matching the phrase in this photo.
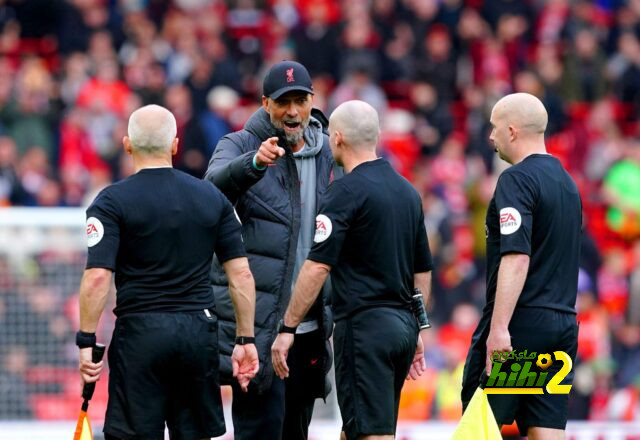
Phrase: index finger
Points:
(281, 361)
(275, 360)
(234, 367)
(86, 378)
(273, 140)
(488, 365)
(91, 371)
(284, 366)
(413, 373)
(243, 382)
(88, 364)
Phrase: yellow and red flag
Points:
(478, 422)
(83, 428)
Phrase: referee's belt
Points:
(307, 327)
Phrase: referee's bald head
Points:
(523, 111)
(152, 130)
(518, 123)
(358, 124)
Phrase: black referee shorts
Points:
(164, 368)
(373, 352)
(533, 329)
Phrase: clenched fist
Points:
(268, 152)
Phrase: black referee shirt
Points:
(370, 230)
(536, 210)
(157, 230)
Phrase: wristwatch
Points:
(285, 329)
(243, 340)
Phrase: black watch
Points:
(243, 340)
(284, 329)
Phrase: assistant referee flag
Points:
(83, 428)
(478, 422)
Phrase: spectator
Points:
(434, 121)
(76, 74)
(397, 60)
(628, 85)
(316, 42)
(153, 89)
(622, 191)
(626, 353)
(34, 170)
(191, 157)
(360, 42)
(613, 287)
(593, 340)
(105, 91)
(13, 386)
(221, 101)
(433, 69)
(27, 118)
(583, 80)
(359, 84)
(437, 65)
(207, 74)
(527, 81)
(11, 191)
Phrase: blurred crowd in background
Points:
(72, 71)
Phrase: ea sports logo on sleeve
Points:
(323, 228)
(510, 220)
(95, 231)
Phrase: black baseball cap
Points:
(284, 77)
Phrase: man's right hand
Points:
(244, 362)
(89, 371)
(418, 365)
(268, 152)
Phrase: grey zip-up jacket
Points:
(269, 207)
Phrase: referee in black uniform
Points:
(370, 234)
(157, 231)
(533, 241)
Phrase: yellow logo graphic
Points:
(524, 379)
(544, 361)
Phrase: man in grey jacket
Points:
(273, 171)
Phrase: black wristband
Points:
(85, 340)
(286, 329)
(242, 340)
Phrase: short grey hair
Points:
(152, 129)
(358, 122)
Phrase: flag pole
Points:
(83, 427)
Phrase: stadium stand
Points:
(432, 68)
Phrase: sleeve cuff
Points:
(321, 259)
(99, 265)
(427, 267)
(230, 256)
(255, 165)
(515, 250)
